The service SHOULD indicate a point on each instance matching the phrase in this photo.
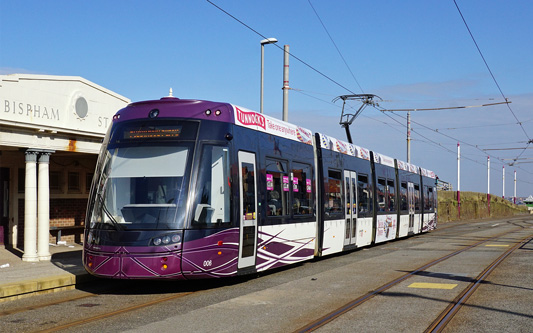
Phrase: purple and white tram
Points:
(187, 189)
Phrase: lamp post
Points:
(263, 42)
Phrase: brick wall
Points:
(67, 212)
(63, 213)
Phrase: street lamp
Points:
(263, 42)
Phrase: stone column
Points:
(43, 208)
(30, 208)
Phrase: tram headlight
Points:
(166, 239)
(207, 112)
(176, 238)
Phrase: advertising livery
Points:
(187, 189)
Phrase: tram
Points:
(188, 189)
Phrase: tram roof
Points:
(407, 166)
(171, 107)
(331, 143)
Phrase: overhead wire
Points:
(493, 77)
(279, 47)
(501, 143)
(349, 90)
(454, 152)
(335, 44)
(338, 106)
(477, 126)
(455, 139)
(449, 107)
(428, 140)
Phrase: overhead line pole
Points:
(514, 196)
(488, 184)
(503, 181)
(408, 136)
(458, 180)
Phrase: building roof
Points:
(55, 112)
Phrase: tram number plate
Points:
(208, 263)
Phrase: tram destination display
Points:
(159, 132)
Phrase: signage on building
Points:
(57, 103)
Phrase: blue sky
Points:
(413, 54)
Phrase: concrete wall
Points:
(474, 206)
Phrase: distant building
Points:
(51, 128)
(529, 202)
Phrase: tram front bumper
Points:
(133, 262)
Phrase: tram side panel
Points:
(429, 201)
(362, 210)
(417, 185)
(286, 177)
(417, 194)
(210, 253)
(211, 236)
(330, 201)
(385, 198)
(346, 204)
(404, 222)
(409, 192)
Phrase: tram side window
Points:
(212, 204)
(365, 196)
(248, 193)
(403, 196)
(277, 180)
(430, 198)
(426, 199)
(302, 196)
(392, 195)
(333, 205)
(435, 201)
(383, 205)
(417, 198)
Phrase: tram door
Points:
(411, 204)
(350, 198)
(248, 209)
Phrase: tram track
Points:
(114, 313)
(44, 305)
(446, 315)
(124, 289)
(78, 323)
(96, 291)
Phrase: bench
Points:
(66, 228)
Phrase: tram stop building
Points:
(51, 130)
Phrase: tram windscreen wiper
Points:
(108, 213)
